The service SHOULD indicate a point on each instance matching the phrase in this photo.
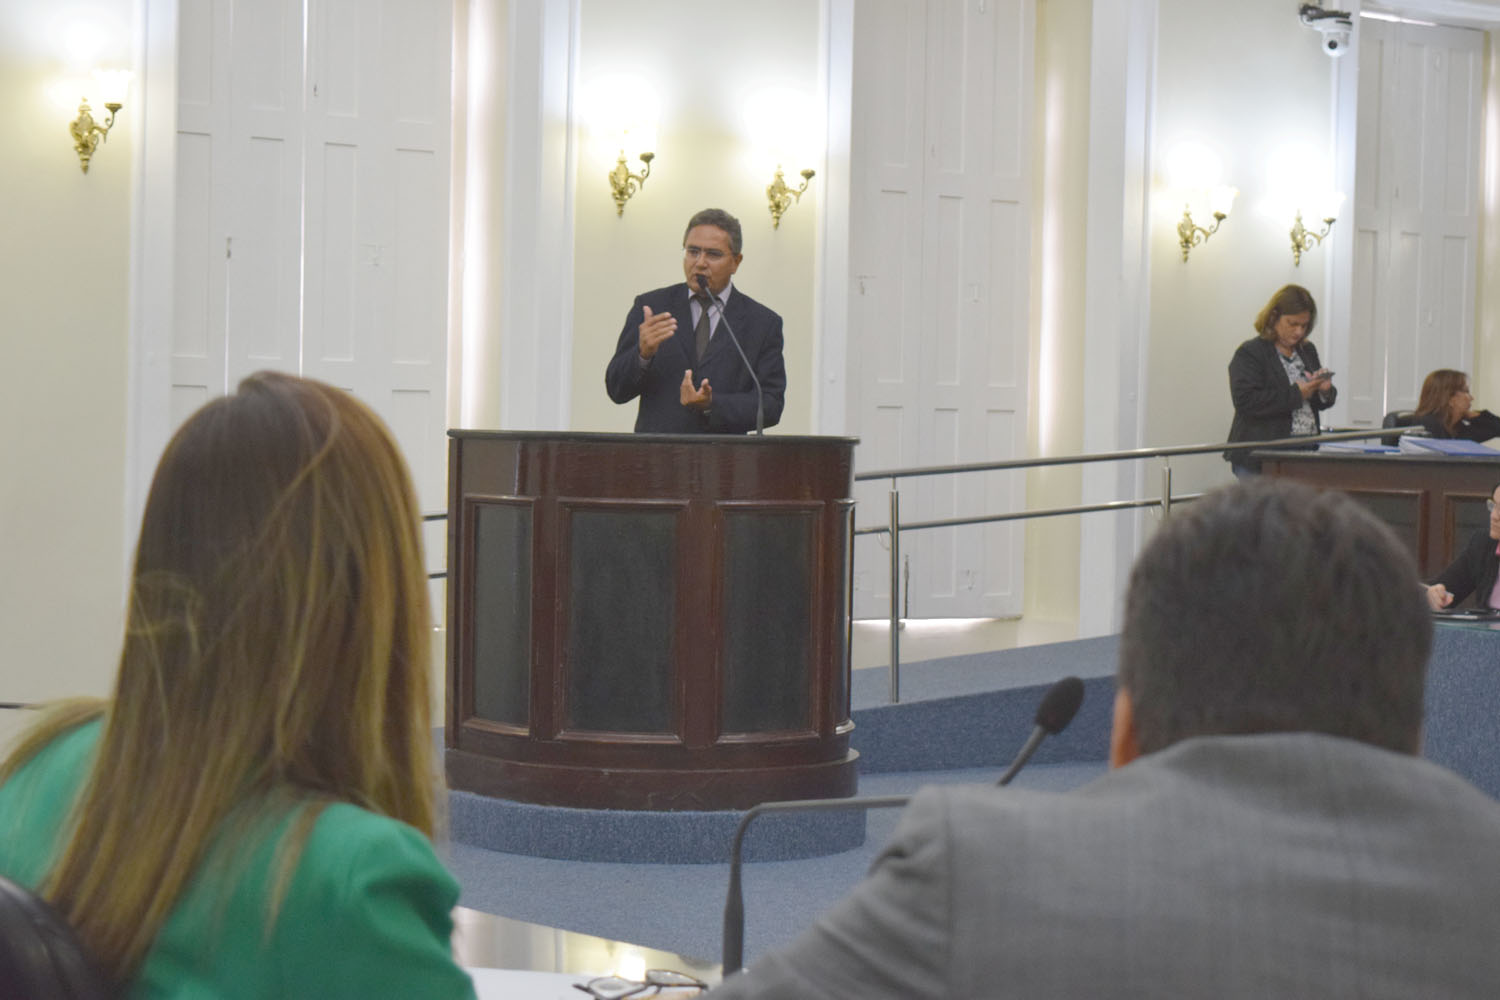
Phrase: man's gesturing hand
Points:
(700, 398)
(654, 329)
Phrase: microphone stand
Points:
(759, 396)
(1059, 705)
(1057, 709)
(734, 901)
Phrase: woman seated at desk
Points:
(251, 814)
(1446, 408)
(1476, 568)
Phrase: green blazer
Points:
(367, 913)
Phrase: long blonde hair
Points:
(275, 657)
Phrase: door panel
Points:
(940, 238)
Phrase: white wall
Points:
(63, 334)
(1485, 378)
(1246, 80)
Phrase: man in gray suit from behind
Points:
(1266, 829)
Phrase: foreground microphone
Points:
(759, 398)
(734, 900)
(1057, 709)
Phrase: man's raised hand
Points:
(654, 329)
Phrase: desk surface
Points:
(1473, 625)
(514, 958)
(1404, 458)
(506, 984)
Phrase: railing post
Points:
(895, 593)
(1166, 488)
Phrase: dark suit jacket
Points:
(1288, 865)
(1481, 428)
(658, 383)
(1263, 398)
(1473, 570)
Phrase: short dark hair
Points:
(1269, 606)
(1289, 300)
(722, 219)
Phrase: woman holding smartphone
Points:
(1276, 382)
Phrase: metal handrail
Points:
(436, 515)
(894, 527)
(1115, 456)
(1026, 515)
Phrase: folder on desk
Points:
(1360, 447)
(1444, 446)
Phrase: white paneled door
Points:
(312, 207)
(1416, 211)
(939, 260)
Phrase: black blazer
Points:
(658, 383)
(1264, 400)
(1481, 428)
(1473, 571)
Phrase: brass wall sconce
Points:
(1303, 239)
(1190, 235)
(781, 197)
(87, 133)
(623, 184)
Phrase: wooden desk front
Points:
(1432, 503)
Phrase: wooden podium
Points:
(649, 621)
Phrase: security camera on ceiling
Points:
(1336, 26)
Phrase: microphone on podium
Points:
(759, 396)
(1056, 710)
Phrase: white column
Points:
(152, 256)
(1117, 307)
(536, 297)
(830, 399)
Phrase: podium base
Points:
(649, 789)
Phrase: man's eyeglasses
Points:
(713, 255)
(1489, 505)
(658, 982)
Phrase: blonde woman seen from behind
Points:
(251, 814)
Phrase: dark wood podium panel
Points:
(1432, 503)
(649, 621)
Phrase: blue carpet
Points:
(641, 837)
(961, 719)
(679, 907)
(956, 713)
(975, 673)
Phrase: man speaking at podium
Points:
(1266, 828)
(694, 352)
